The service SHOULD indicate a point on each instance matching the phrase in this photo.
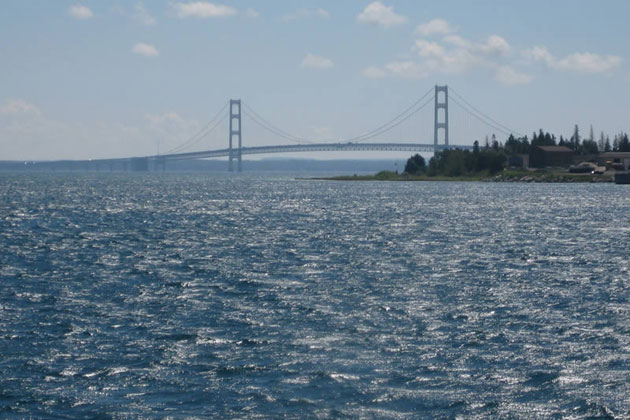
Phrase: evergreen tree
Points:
(561, 142)
(575, 139)
(624, 143)
(601, 144)
(415, 164)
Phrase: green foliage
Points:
(386, 175)
(517, 146)
(415, 165)
(492, 157)
(623, 144)
(456, 162)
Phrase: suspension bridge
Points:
(235, 109)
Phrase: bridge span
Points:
(313, 147)
(236, 150)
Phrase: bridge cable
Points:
(499, 129)
(194, 139)
(389, 125)
(401, 118)
(488, 118)
(255, 117)
(399, 122)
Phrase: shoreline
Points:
(507, 176)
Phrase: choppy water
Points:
(195, 296)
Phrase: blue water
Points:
(191, 296)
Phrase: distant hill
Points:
(297, 166)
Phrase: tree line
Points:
(579, 145)
(492, 156)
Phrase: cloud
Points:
(251, 13)
(509, 76)
(435, 27)
(495, 45)
(141, 15)
(78, 11)
(18, 107)
(312, 61)
(373, 72)
(407, 70)
(589, 63)
(170, 128)
(168, 118)
(146, 50)
(379, 14)
(202, 10)
(306, 13)
(451, 54)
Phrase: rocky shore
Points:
(550, 178)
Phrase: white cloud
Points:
(143, 16)
(202, 9)
(457, 54)
(539, 54)
(251, 13)
(428, 49)
(170, 128)
(495, 45)
(407, 70)
(438, 58)
(18, 107)
(435, 27)
(306, 13)
(168, 118)
(373, 72)
(78, 11)
(146, 50)
(452, 54)
(379, 14)
(509, 76)
(316, 62)
(589, 63)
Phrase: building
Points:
(614, 160)
(554, 156)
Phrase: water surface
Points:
(190, 296)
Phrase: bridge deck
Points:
(314, 147)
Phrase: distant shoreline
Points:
(506, 176)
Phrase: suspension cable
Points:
(385, 127)
(501, 130)
(194, 139)
(397, 123)
(488, 118)
(254, 116)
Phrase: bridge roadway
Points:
(313, 147)
(143, 163)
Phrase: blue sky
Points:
(95, 79)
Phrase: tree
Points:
(601, 144)
(624, 143)
(415, 164)
(589, 147)
(495, 143)
(575, 138)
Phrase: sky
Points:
(101, 79)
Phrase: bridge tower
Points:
(235, 134)
(440, 122)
